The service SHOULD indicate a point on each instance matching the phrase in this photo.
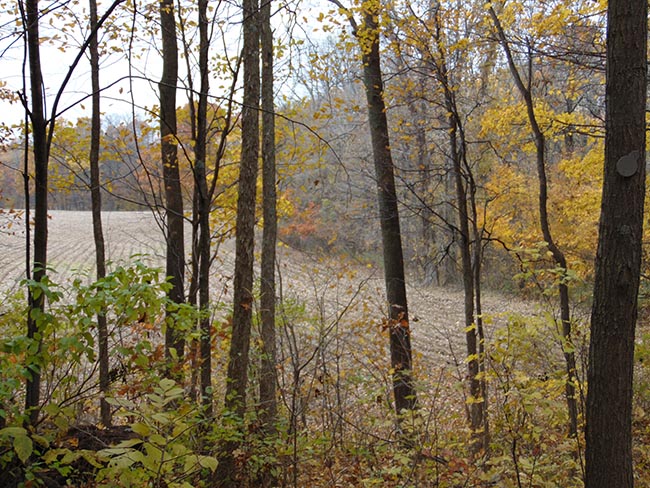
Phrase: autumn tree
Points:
(42, 134)
(431, 52)
(524, 87)
(203, 200)
(618, 260)
(41, 157)
(268, 379)
(368, 35)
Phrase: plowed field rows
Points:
(328, 286)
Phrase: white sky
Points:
(56, 58)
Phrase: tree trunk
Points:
(203, 202)
(425, 241)
(175, 263)
(268, 401)
(41, 157)
(268, 377)
(478, 310)
(470, 261)
(618, 260)
(475, 400)
(96, 207)
(237, 376)
(400, 334)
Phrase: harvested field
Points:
(328, 286)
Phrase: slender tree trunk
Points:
(268, 376)
(618, 260)
(96, 207)
(268, 400)
(475, 400)
(558, 255)
(192, 296)
(400, 333)
(175, 264)
(470, 260)
(203, 202)
(237, 376)
(426, 240)
(41, 160)
(42, 133)
(480, 332)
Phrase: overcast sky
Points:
(136, 77)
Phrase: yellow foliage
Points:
(574, 206)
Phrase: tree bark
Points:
(475, 401)
(237, 376)
(470, 258)
(96, 207)
(478, 310)
(618, 259)
(175, 259)
(42, 134)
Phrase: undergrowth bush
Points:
(335, 425)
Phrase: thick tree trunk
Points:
(237, 376)
(175, 264)
(41, 157)
(96, 207)
(400, 334)
(618, 260)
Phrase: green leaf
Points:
(23, 446)
(13, 431)
(208, 462)
(114, 451)
(141, 429)
(174, 393)
(157, 440)
(40, 440)
(129, 443)
(161, 418)
(91, 458)
(70, 457)
(122, 462)
(167, 384)
(51, 455)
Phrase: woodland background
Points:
(219, 318)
